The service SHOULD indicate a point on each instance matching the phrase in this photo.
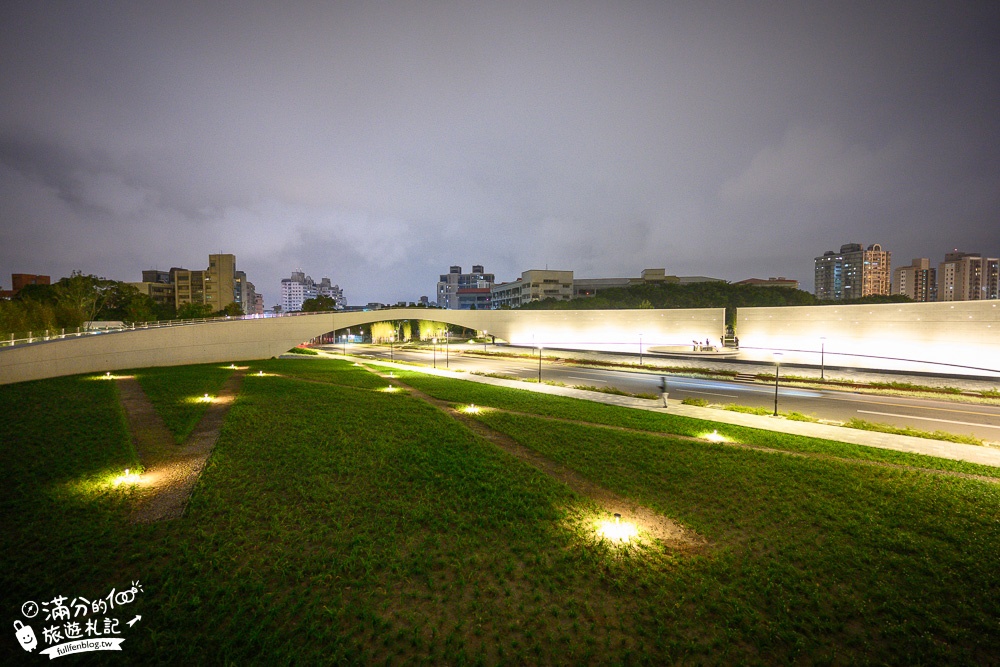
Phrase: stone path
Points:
(171, 470)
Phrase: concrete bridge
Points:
(961, 338)
(239, 339)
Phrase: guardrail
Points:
(49, 335)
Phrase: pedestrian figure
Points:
(663, 389)
(737, 342)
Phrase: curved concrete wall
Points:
(961, 337)
(246, 339)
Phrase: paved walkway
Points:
(171, 470)
(903, 443)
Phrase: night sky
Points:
(378, 143)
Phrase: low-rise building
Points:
(19, 281)
(780, 281)
(533, 285)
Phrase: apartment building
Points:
(300, 287)
(968, 277)
(853, 272)
(917, 281)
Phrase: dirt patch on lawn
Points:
(171, 470)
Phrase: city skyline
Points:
(381, 144)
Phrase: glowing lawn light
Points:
(471, 409)
(617, 530)
(715, 437)
(127, 478)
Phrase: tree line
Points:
(68, 303)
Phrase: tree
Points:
(86, 294)
(319, 304)
(194, 311)
(232, 309)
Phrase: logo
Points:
(80, 626)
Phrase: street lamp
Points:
(447, 348)
(434, 346)
(392, 339)
(640, 349)
(539, 364)
(345, 341)
(777, 365)
(822, 357)
(485, 334)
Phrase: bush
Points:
(699, 402)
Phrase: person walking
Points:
(663, 389)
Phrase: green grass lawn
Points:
(175, 391)
(336, 523)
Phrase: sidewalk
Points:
(903, 443)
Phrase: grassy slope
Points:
(175, 392)
(464, 392)
(338, 523)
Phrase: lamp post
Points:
(640, 349)
(777, 365)
(447, 348)
(434, 346)
(485, 334)
(822, 357)
(392, 339)
(345, 341)
(539, 364)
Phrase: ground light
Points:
(390, 389)
(715, 437)
(617, 530)
(206, 398)
(127, 478)
(471, 409)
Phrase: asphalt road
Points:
(982, 421)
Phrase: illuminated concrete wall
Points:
(241, 340)
(957, 337)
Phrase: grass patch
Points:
(176, 393)
(335, 523)
(463, 392)
(749, 410)
(697, 402)
(799, 417)
(863, 425)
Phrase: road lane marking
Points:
(710, 393)
(916, 407)
(929, 419)
(590, 379)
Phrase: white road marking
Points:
(710, 393)
(929, 419)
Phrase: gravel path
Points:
(171, 469)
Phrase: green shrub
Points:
(699, 402)
(746, 409)
(302, 350)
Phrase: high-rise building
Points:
(300, 287)
(245, 293)
(215, 287)
(465, 291)
(917, 281)
(853, 272)
(968, 277)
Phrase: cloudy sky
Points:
(378, 143)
